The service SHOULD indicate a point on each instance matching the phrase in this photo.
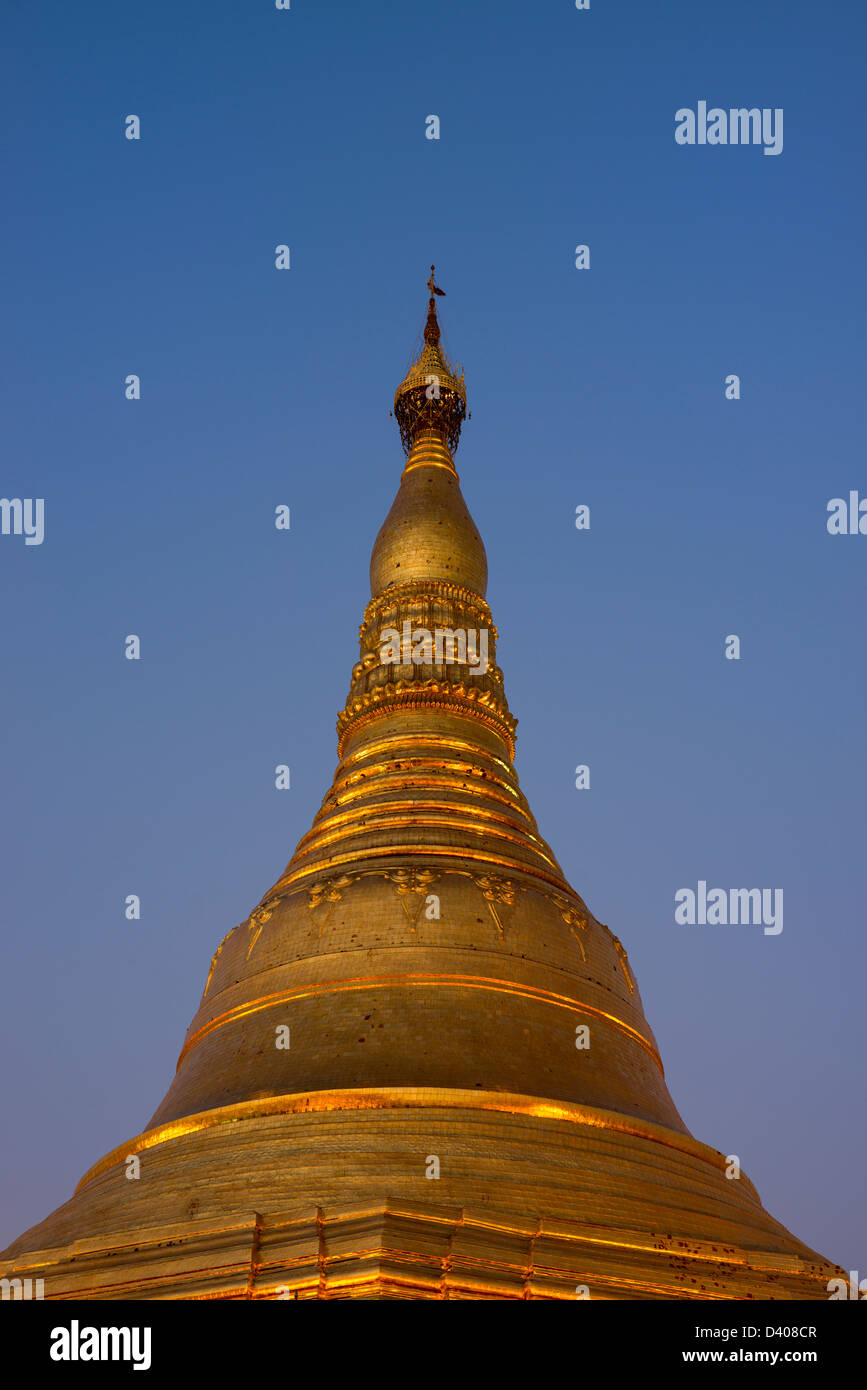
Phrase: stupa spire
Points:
(422, 980)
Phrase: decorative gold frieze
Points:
(214, 958)
(499, 894)
(256, 922)
(427, 694)
(411, 884)
(624, 963)
(327, 893)
(575, 915)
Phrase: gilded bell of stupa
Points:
(420, 1069)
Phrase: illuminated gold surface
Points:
(429, 960)
(410, 1097)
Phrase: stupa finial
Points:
(432, 328)
(432, 395)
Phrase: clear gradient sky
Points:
(604, 387)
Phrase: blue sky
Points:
(603, 387)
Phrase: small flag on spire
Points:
(434, 289)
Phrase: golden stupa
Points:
(420, 1069)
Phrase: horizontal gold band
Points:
(367, 982)
(431, 463)
(381, 815)
(320, 867)
(362, 785)
(409, 701)
(417, 1098)
(462, 819)
(408, 741)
